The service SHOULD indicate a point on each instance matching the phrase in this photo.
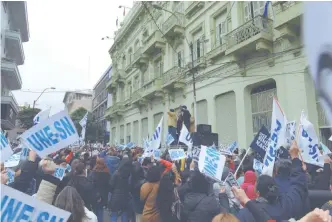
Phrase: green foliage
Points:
(26, 116)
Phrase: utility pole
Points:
(193, 70)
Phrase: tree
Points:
(91, 126)
(25, 117)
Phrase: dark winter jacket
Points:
(64, 182)
(200, 207)
(101, 186)
(287, 204)
(85, 188)
(23, 181)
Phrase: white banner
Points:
(185, 137)
(231, 148)
(176, 154)
(41, 116)
(84, 120)
(156, 137)
(6, 150)
(318, 44)
(51, 135)
(13, 160)
(211, 162)
(17, 206)
(277, 137)
(308, 142)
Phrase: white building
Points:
(77, 99)
(99, 106)
(14, 31)
(241, 60)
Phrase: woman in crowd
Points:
(119, 187)
(137, 180)
(83, 185)
(148, 195)
(100, 179)
(69, 200)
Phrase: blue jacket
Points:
(287, 203)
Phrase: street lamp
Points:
(122, 6)
(34, 102)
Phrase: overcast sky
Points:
(63, 35)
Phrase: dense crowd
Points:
(120, 184)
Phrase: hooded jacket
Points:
(249, 184)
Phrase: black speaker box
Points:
(204, 128)
(205, 139)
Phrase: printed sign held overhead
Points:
(176, 154)
(6, 150)
(51, 135)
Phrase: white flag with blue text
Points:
(308, 142)
(156, 137)
(41, 116)
(277, 137)
(185, 138)
(83, 122)
(169, 139)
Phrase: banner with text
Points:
(51, 135)
(6, 150)
(277, 137)
(211, 162)
(17, 206)
(156, 137)
(185, 137)
(261, 142)
(176, 154)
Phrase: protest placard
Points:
(59, 172)
(51, 135)
(290, 132)
(24, 153)
(17, 206)
(232, 182)
(231, 148)
(258, 166)
(13, 160)
(195, 153)
(6, 150)
(169, 139)
(68, 168)
(156, 154)
(176, 154)
(211, 162)
(261, 142)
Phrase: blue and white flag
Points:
(156, 137)
(59, 172)
(84, 120)
(11, 175)
(277, 137)
(169, 139)
(146, 144)
(51, 135)
(231, 148)
(211, 163)
(6, 150)
(308, 141)
(185, 138)
(41, 116)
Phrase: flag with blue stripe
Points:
(156, 138)
(41, 116)
(266, 9)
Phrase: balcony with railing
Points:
(140, 58)
(14, 46)
(111, 85)
(10, 75)
(254, 35)
(288, 17)
(174, 78)
(193, 7)
(174, 25)
(218, 49)
(115, 111)
(153, 42)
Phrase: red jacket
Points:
(249, 184)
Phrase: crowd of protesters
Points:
(120, 185)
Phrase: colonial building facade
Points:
(240, 57)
